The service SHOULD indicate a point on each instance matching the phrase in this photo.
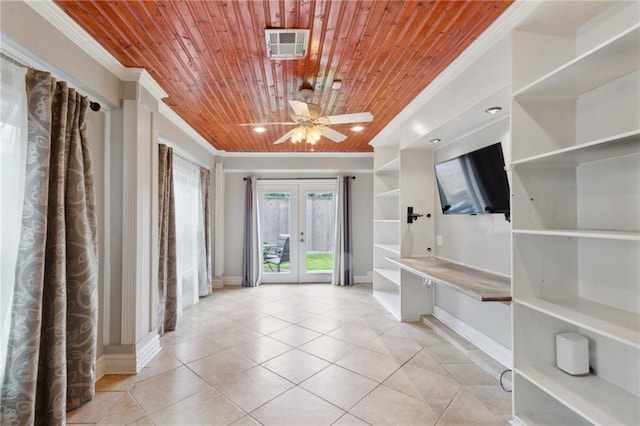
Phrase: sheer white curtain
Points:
(190, 235)
(13, 160)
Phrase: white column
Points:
(139, 340)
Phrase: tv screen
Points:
(474, 183)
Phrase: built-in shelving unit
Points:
(576, 210)
(393, 237)
(386, 276)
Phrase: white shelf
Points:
(391, 193)
(390, 221)
(613, 323)
(394, 248)
(575, 137)
(543, 420)
(602, 64)
(391, 166)
(601, 149)
(390, 301)
(392, 275)
(582, 233)
(596, 400)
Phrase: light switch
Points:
(438, 240)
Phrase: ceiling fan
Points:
(310, 122)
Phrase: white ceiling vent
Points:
(287, 44)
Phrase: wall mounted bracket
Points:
(412, 217)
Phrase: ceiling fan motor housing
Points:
(305, 94)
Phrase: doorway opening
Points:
(297, 230)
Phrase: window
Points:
(13, 155)
(190, 235)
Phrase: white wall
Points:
(184, 144)
(482, 241)
(23, 25)
(236, 168)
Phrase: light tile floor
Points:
(306, 354)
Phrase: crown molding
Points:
(503, 25)
(140, 75)
(67, 26)
(301, 154)
(496, 31)
(63, 23)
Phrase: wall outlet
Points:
(438, 240)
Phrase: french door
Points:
(297, 228)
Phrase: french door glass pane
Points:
(275, 230)
(320, 220)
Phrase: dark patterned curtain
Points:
(51, 354)
(167, 277)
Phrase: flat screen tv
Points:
(474, 183)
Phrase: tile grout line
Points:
(357, 346)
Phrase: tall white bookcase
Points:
(402, 178)
(386, 228)
(576, 210)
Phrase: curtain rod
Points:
(302, 178)
(95, 106)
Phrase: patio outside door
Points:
(303, 212)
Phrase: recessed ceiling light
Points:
(336, 84)
(493, 110)
(357, 128)
(259, 129)
(436, 140)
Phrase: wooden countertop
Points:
(480, 285)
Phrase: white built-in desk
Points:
(480, 285)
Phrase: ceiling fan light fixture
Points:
(357, 128)
(298, 135)
(314, 135)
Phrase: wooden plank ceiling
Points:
(210, 57)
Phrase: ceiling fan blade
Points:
(283, 123)
(358, 117)
(300, 108)
(284, 137)
(332, 134)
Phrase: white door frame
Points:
(298, 188)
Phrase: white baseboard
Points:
(147, 348)
(232, 280)
(368, 278)
(492, 348)
(217, 283)
(100, 368)
(134, 359)
(120, 364)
